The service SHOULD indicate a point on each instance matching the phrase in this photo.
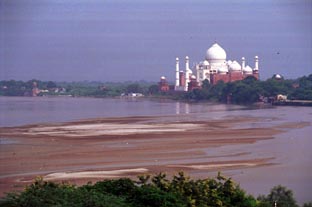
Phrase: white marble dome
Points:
(205, 63)
(277, 76)
(223, 70)
(235, 66)
(216, 54)
(247, 69)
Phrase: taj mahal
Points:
(214, 68)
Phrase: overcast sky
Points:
(115, 40)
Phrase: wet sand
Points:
(95, 149)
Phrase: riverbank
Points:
(293, 103)
(96, 149)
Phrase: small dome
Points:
(277, 76)
(247, 69)
(223, 70)
(235, 66)
(229, 62)
(193, 77)
(163, 78)
(205, 63)
(216, 54)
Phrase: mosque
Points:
(214, 68)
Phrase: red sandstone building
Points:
(163, 84)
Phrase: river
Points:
(291, 149)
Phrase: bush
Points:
(155, 191)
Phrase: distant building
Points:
(278, 77)
(35, 90)
(131, 95)
(163, 84)
(193, 83)
(214, 68)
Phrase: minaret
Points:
(187, 63)
(187, 73)
(177, 81)
(256, 63)
(243, 63)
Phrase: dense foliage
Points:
(251, 90)
(280, 195)
(246, 91)
(156, 191)
(21, 88)
(85, 88)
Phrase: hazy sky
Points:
(115, 40)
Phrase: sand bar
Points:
(116, 147)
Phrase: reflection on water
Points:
(28, 110)
(182, 108)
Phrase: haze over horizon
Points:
(119, 40)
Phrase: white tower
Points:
(187, 73)
(256, 63)
(187, 63)
(243, 63)
(177, 81)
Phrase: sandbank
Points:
(95, 149)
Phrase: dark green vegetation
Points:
(95, 89)
(246, 91)
(156, 191)
(251, 90)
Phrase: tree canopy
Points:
(246, 91)
(279, 195)
(147, 191)
(249, 90)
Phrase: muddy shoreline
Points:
(95, 149)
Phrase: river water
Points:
(291, 149)
(28, 110)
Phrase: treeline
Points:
(107, 89)
(21, 88)
(147, 191)
(251, 90)
(246, 91)
(85, 88)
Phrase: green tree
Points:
(242, 92)
(134, 88)
(273, 87)
(153, 89)
(143, 179)
(206, 85)
(161, 181)
(216, 92)
(51, 84)
(281, 195)
(304, 89)
(150, 196)
(307, 204)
